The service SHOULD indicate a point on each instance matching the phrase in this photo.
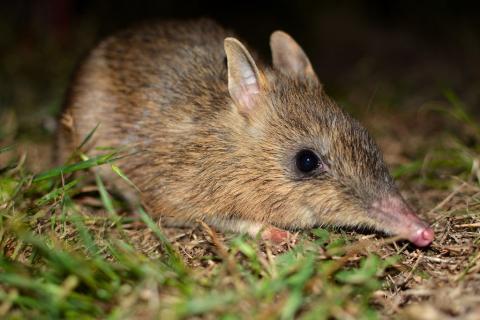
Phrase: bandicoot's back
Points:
(215, 137)
(140, 71)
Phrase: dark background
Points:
(370, 55)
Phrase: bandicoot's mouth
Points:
(396, 216)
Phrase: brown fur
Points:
(161, 90)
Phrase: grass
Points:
(58, 262)
(68, 249)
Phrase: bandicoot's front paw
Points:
(277, 235)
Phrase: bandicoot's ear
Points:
(289, 58)
(243, 76)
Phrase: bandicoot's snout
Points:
(399, 219)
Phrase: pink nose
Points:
(423, 237)
(399, 219)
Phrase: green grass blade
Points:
(6, 148)
(123, 176)
(173, 255)
(55, 193)
(88, 137)
(106, 198)
(82, 165)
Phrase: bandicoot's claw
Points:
(276, 235)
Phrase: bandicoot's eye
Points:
(307, 161)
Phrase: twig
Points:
(410, 273)
(468, 225)
(468, 268)
(221, 248)
(446, 200)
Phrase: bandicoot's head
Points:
(312, 164)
